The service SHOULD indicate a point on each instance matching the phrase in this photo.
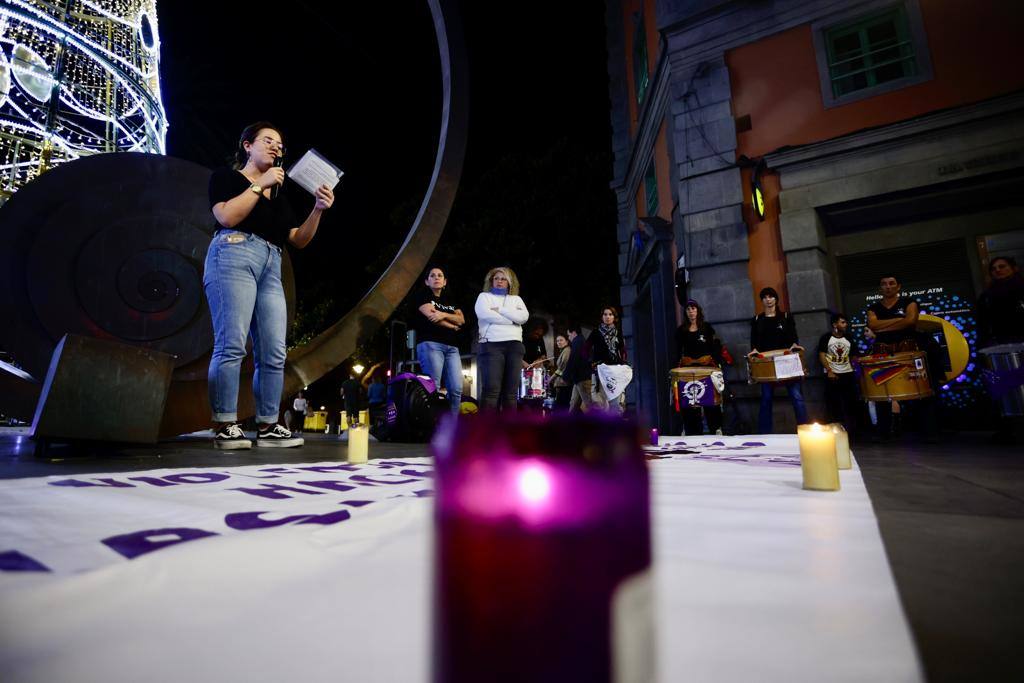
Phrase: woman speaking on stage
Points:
(242, 280)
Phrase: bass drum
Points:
(902, 376)
(411, 412)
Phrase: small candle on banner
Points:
(842, 446)
(818, 457)
(358, 443)
(654, 436)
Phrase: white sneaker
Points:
(230, 437)
(277, 437)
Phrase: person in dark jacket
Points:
(577, 372)
(771, 330)
(605, 346)
(1001, 306)
(698, 345)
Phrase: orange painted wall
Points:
(974, 56)
(974, 52)
(767, 267)
(629, 8)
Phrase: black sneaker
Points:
(277, 437)
(231, 437)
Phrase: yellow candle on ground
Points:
(358, 443)
(842, 446)
(364, 417)
(818, 457)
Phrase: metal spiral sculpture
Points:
(112, 246)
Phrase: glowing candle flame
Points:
(534, 484)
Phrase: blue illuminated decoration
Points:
(77, 78)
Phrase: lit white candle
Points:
(842, 446)
(358, 443)
(818, 457)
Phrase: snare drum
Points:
(1004, 375)
(902, 376)
(762, 368)
(694, 387)
(534, 383)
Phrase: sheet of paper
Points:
(787, 366)
(313, 170)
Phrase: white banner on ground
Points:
(64, 525)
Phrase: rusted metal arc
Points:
(308, 363)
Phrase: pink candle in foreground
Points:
(542, 550)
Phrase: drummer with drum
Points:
(773, 333)
(1001, 344)
(697, 382)
(893, 320)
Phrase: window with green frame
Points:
(870, 51)
(641, 78)
(651, 189)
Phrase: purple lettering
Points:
(244, 521)
(196, 477)
(275, 491)
(78, 483)
(13, 561)
(328, 484)
(417, 473)
(330, 468)
(153, 481)
(355, 503)
(380, 479)
(142, 542)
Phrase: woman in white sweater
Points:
(500, 314)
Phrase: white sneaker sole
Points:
(280, 443)
(240, 445)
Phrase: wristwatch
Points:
(255, 187)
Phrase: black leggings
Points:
(692, 422)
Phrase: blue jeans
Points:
(242, 279)
(438, 359)
(796, 395)
(500, 365)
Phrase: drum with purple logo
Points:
(534, 383)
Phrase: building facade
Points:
(885, 136)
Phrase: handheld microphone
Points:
(278, 163)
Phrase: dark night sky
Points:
(361, 85)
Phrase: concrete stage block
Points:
(99, 390)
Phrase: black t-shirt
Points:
(771, 333)
(427, 331)
(270, 219)
(899, 310)
(535, 349)
(703, 342)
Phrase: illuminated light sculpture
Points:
(77, 77)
